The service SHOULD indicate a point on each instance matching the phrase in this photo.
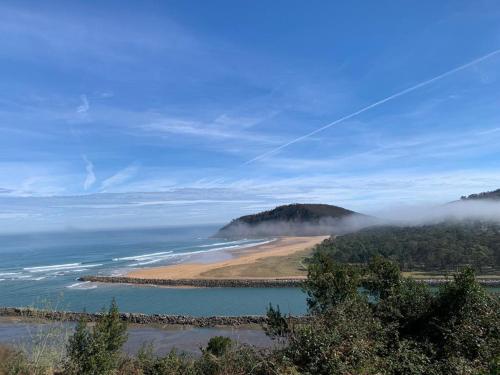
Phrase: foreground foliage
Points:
(390, 326)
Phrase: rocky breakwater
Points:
(199, 283)
(493, 283)
(136, 318)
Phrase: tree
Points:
(97, 351)
(383, 278)
(277, 324)
(329, 283)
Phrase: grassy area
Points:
(278, 266)
(293, 265)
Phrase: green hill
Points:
(296, 220)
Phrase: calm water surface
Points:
(186, 339)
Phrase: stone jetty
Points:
(199, 283)
(137, 318)
(240, 283)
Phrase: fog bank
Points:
(485, 210)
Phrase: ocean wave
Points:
(60, 267)
(143, 256)
(84, 285)
(3, 274)
(158, 258)
(226, 243)
(148, 262)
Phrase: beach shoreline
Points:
(245, 263)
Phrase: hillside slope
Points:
(295, 220)
(443, 246)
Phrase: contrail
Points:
(376, 104)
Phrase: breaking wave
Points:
(60, 267)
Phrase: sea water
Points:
(41, 270)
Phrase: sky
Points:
(122, 114)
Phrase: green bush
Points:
(277, 325)
(97, 350)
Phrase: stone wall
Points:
(200, 283)
(240, 283)
(136, 318)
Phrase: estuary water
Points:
(186, 339)
(41, 270)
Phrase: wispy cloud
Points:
(90, 177)
(120, 177)
(223, 127)
(374, 105)
(84, 106)
(391, 149)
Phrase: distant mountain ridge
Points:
(492, 195)
(294, 219)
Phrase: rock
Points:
(137, 318)
(203, 283)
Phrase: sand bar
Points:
(280, 247)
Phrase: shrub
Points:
(277, 325)
(97, 351)
(218, 345)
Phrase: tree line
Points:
(443, 246)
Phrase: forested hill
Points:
(430, 247)
(294, 219)
(491, 195)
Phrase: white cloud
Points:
(120, 177)
(90, 178)
(85, 106)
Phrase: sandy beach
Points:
(262, 261)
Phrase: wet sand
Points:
(281, 247)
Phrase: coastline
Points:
(245, 263)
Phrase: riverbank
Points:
(281, 258)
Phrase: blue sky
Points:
(120, 113)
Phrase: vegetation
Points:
(96, 351)
(292, 219)
(492, 195)
(396, 326)
(297, 212)
(442, 246)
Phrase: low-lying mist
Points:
(324, 226)
(459, 211)
(483, 210)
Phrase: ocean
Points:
(41, 270)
